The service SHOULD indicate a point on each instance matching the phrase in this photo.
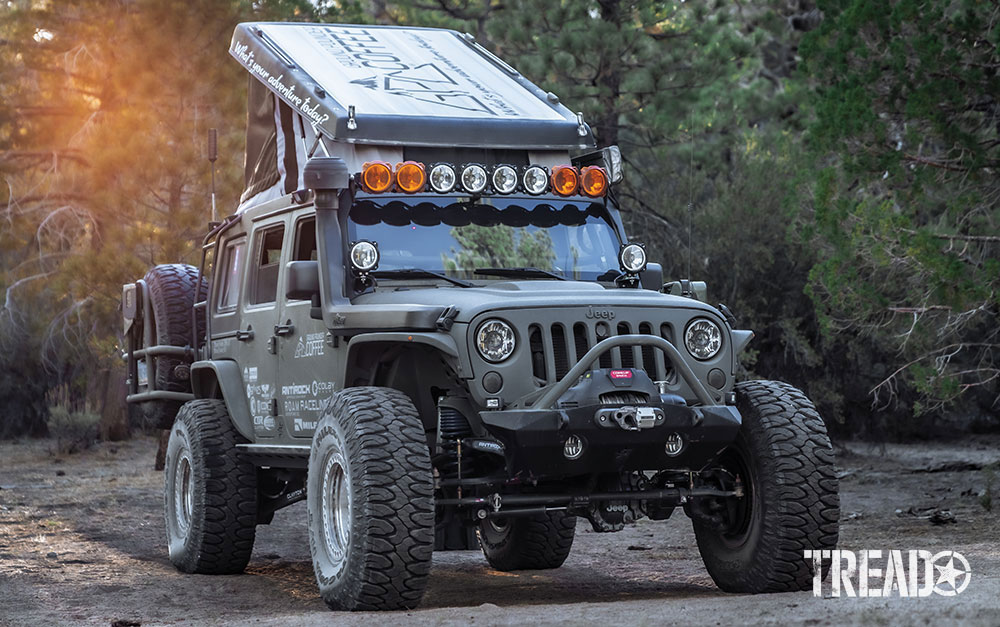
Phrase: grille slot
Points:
(560, 351)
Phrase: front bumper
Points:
(534, 439)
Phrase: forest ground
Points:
(82, 541)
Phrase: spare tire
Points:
(172, 294)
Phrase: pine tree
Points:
(907, 99)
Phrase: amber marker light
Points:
(411, 177)
(565, 180)
(594, 181)
(376, 177)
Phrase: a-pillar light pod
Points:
(364, 256)
(632, 258)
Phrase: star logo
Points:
(952, 575)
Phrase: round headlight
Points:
(473, 178)
(632, 258)
(504, 179)
(364, 256)
(442, 178)
(703, 338)
(495, 340)
(535, 179)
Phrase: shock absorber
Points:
(452, 427)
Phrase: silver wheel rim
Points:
(336, 506)
(183, 492)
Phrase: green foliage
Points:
(906, 105)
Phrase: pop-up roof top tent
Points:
(366, 92)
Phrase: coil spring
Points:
(452, 427)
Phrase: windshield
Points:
(571, 238)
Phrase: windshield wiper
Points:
(413, 273)
(520, 272)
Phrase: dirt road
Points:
(81, 541)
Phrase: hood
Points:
(473, 301)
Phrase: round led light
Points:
(504, 179)
(632, 258)
(703, 338)
(535, 180)
(442, 178)
(473, 178)
(376, 177)
(495, 340)
(410, 177)
(593, 181)
(364, 256)
(565, 180)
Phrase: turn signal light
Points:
(565, 180)
(594, 181)
(410, 177)
(376, 177)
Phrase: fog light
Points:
(573, 448)
(674, 445)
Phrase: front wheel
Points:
(370, 499)
(784, 460)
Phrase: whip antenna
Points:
(213, 154)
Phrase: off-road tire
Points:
(792, 489)
(370, 462)
(172, 294)
(222, 512)
(528, 543)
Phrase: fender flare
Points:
(223, 379)
(441, 342)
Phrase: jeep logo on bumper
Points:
(607, 314)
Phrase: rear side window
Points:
(267, 263)
(229, 290)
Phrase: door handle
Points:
(284, 329)
(245, 336)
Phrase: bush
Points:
(74, 431)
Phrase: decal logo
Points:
(303, 425)
(310, 345)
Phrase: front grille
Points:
(556, 348)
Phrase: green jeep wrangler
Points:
(426, 320)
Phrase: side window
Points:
(305, 240)
(267, 263)
(229, 288)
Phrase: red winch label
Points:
(620, 374)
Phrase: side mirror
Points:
(301, 280)
(652, 277)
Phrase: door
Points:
(305, 351)
(257, 337)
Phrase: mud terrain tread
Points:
(222, 539)
(536, 543)
(395, 538)
(799, 477)
(172, 295)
